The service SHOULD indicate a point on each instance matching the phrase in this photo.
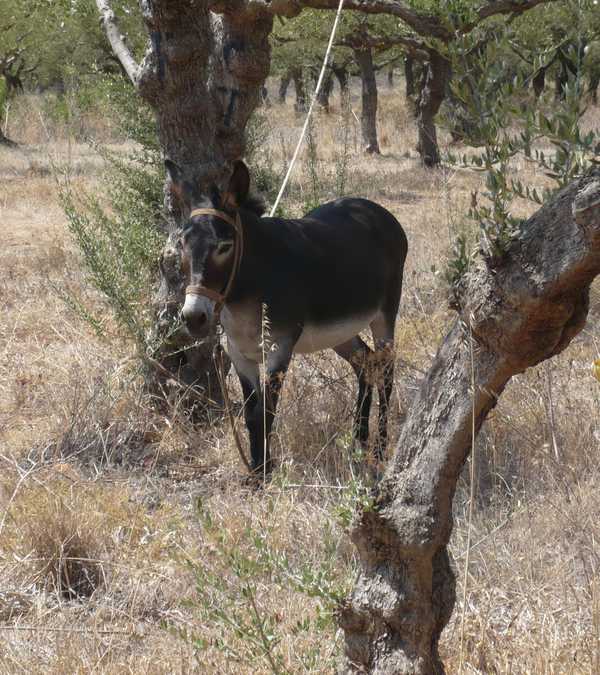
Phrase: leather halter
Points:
(238, 249)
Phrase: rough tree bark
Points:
(513, 313)
(368, 118)
(202, 74)
(432, 96)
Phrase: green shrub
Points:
(120, 244)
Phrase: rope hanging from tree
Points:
(310, 109)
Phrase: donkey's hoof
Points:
(259, 476)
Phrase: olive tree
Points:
(514, 312)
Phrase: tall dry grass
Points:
(128, 541)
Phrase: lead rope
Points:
(310, 109)
(218, 357)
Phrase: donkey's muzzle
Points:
(197, 324)
(196, 315)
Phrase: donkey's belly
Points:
(315, 337)
(244, 329)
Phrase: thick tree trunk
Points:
(430, 99)
(409, 76)
(202, 75)
(514, 313)
(368, 118)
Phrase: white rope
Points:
(310, 109)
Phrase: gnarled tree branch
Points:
(515, 313)
(498, 7)
(424, 24)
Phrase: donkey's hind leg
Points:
(357, 353)
(382, 328)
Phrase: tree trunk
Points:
(409, 76)
(538, 82)
(325, 91)
(202, 75)
(284, 83)
(390, 77)
(298, 80)
(430, 99)
(368, 118)
(514, 313)
(341, 75)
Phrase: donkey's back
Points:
(342, 262)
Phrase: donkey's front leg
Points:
(249, 375)
(259, 411)
(277, 362)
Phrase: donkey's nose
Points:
(196, 323)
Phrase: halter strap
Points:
(220, 214)
(238, 249)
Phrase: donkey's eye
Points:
(224, 247)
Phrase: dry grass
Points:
(128, 542)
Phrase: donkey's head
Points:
(212, 243)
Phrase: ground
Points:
(128, 539)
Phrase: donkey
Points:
(322, 278)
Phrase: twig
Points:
(227, 402)
(44, 629)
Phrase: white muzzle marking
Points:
(196, 304)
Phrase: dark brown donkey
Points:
(323, 278)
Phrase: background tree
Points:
(371, 41)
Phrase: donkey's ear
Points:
(175, 175)
(239, 185)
